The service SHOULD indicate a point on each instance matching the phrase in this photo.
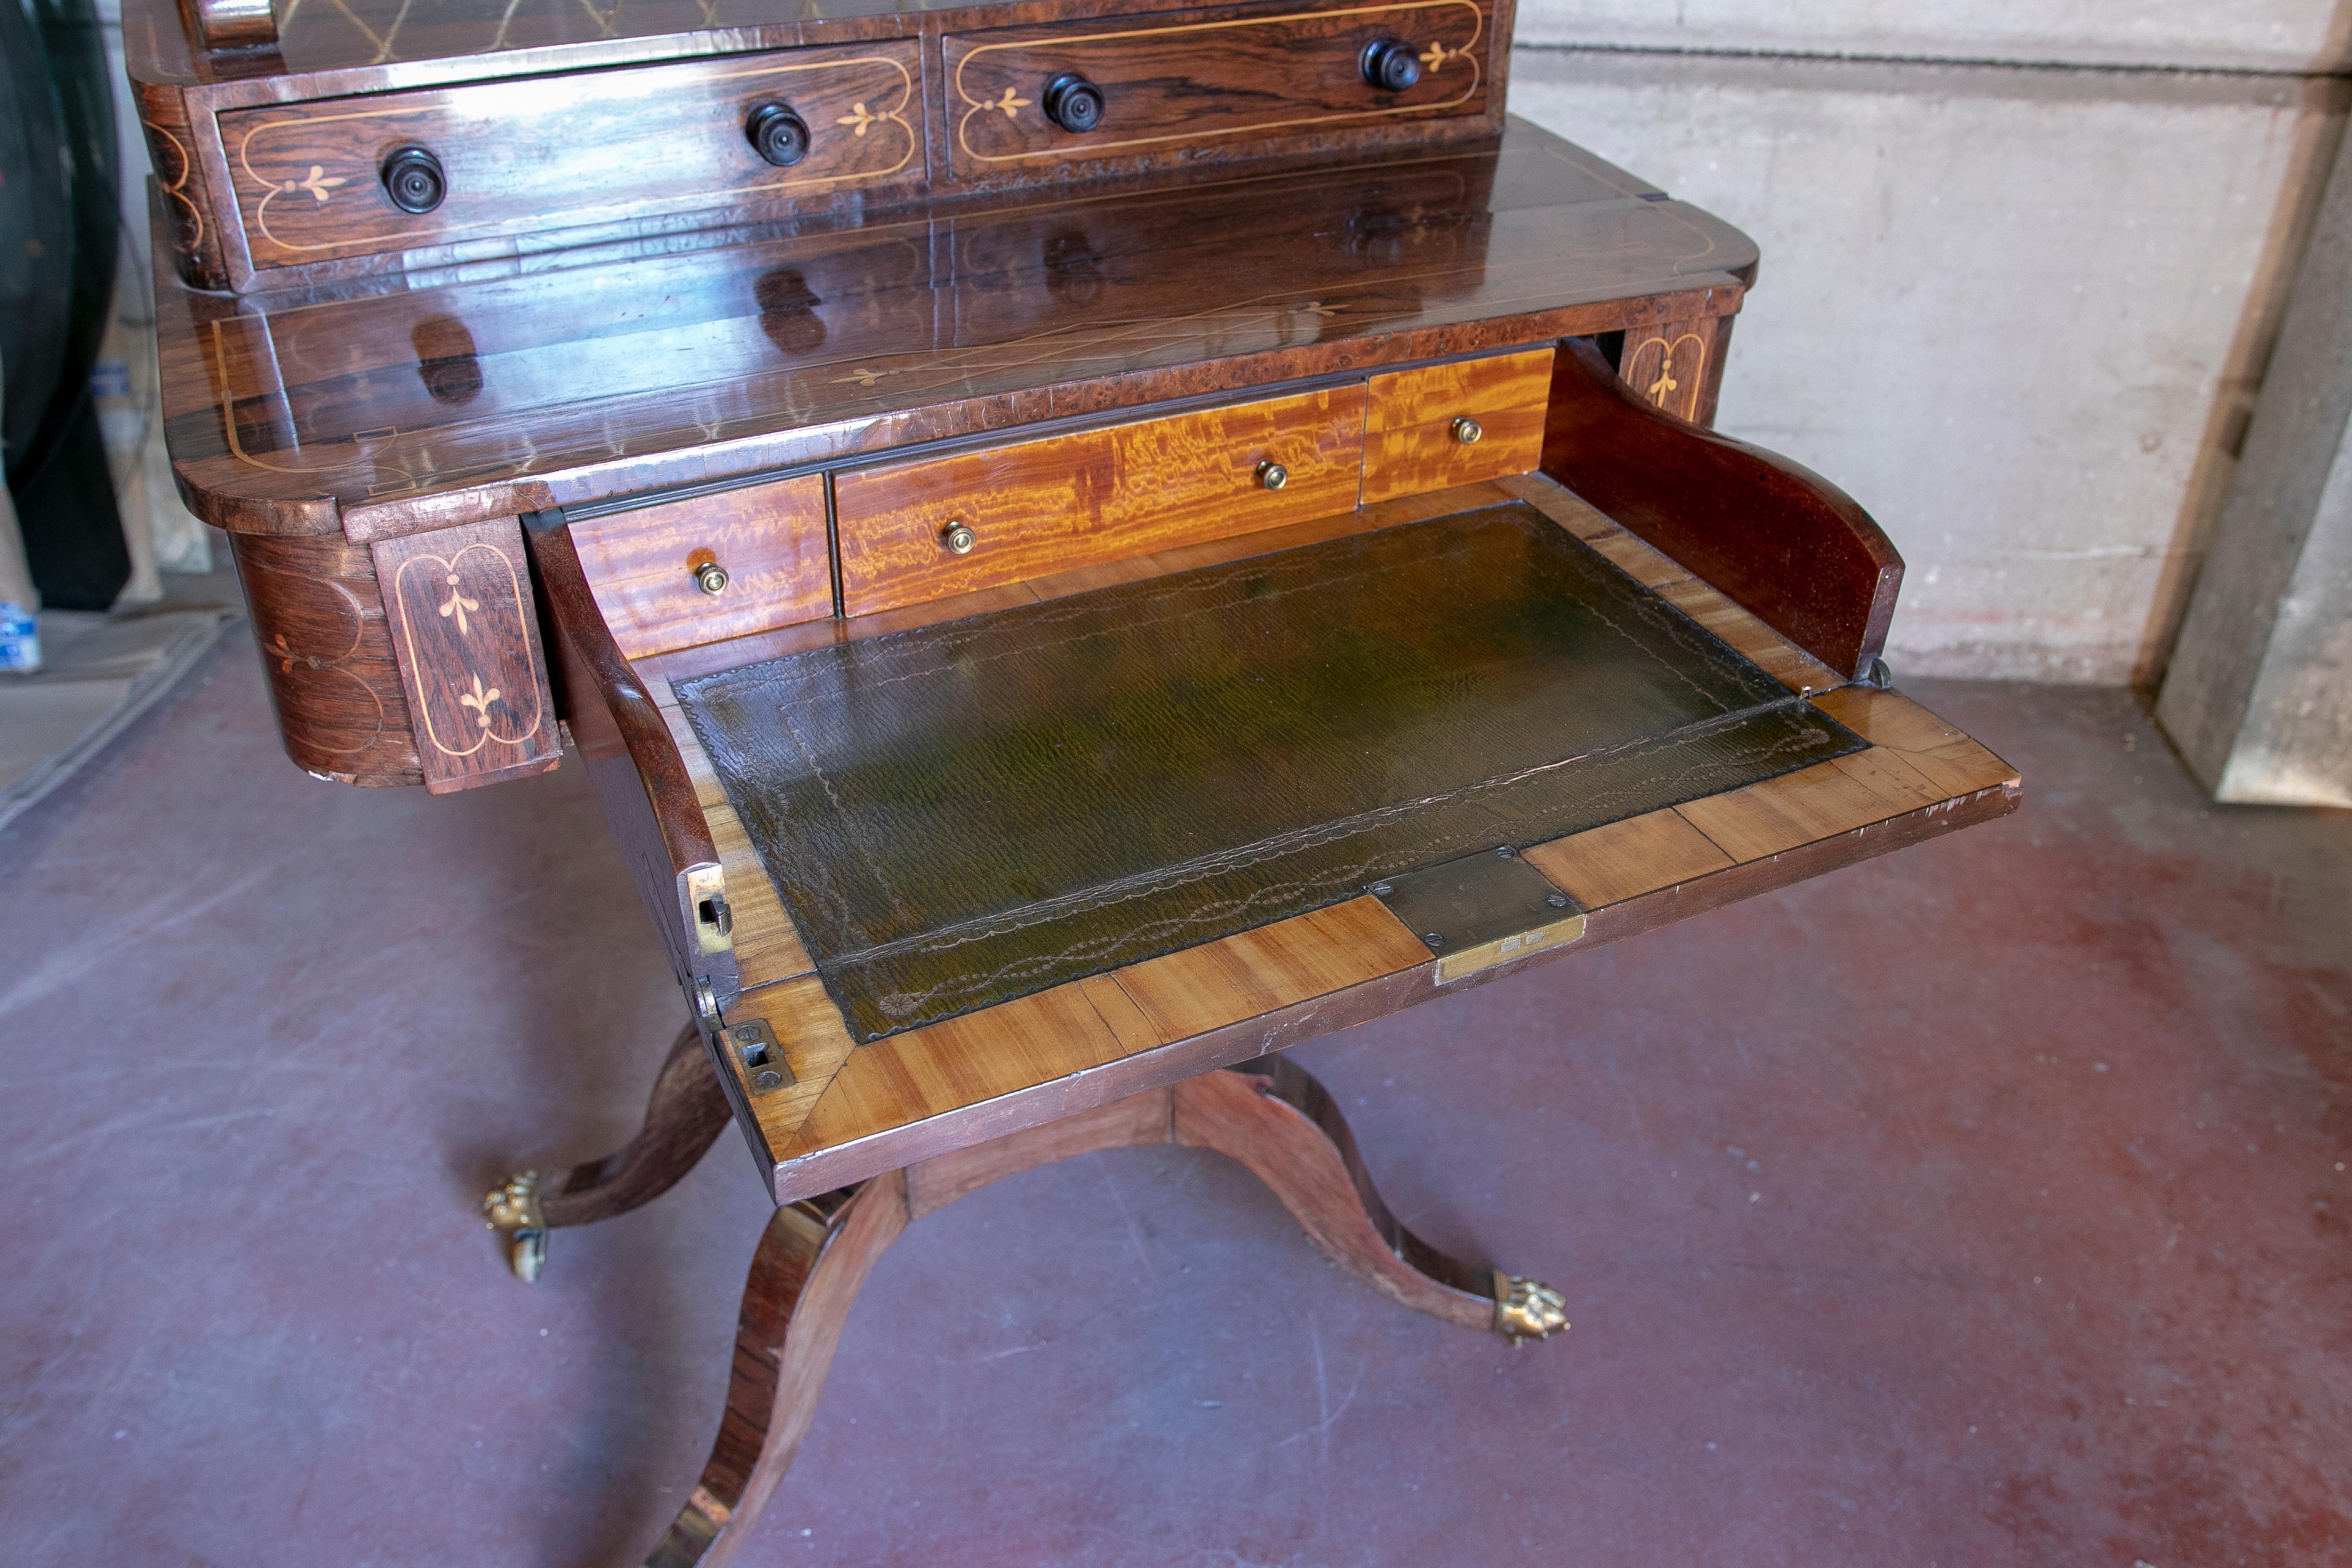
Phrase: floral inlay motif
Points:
(318, 182)
(1666, 383)
(859, 118)
(479, 702)
(1011, 105)
(861, 376)
(456, 605)
(1437, 55)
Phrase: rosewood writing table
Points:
(1079, 545)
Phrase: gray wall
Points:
(2016, 305)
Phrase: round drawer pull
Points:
(711, 577)
(1467, 430)
(959, 539)
(1073, 103)
(1391, 65)
(413, 179)
(778, 135)
(1272, 474)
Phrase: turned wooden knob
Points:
(711, 577)
(778, 135)
(959, 539)
(1467, 430)
(413, 179)
(1073, 103)
(1391, 65)
(1272, 474)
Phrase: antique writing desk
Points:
(1080, 543)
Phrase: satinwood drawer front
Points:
(979, 519)
(1454, 424)
(709, 567)
(1202, 79)
(323, 180)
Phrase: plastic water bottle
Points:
(20, 639)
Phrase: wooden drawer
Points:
(552, 152)
(1413, 442)
(767, 540)
(1204, 79)
(1101, 495)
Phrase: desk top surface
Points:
(519, 382)
(856, 1106)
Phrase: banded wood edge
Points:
(853, 1112)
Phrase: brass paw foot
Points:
(1528, 1309)
(512, 1208)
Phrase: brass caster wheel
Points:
(511, 1208)
(1527, 1309)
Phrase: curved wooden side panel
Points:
(326, 649)
(639, 777)
(1779, 540)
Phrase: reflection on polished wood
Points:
(1271, 1117)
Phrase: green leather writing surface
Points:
(969, 812)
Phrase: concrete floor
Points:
(1983, 1205)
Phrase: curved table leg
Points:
(1271, 1116)
(1275, 1118)
(683, 1117)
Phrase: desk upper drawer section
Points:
(980, 520)
(1124, 88)
(1456, 424)
(403, 171)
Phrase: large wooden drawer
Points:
(1203, 80)
(555, 151)
(710, 568)
(1445, 425)
(1075, 500)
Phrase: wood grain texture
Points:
(1781, 542)
(523, 157)
(1074, 500)
(326, 651)
(1237, 76)
(1277, 1120)
(812, 1262)
(808, 1027)
(1677, 367)
(1609, 864)
(1262, 970)
(684, 1116)
(465, 633)
(682, 360)
(768, 946)
(769, 539)
(639, 777)
(1410, 441)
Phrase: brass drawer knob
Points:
(1467, 430)
(959, 539)
(711, 577)
(1272, 474)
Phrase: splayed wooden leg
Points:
(683, 1118)
(1275, 1118)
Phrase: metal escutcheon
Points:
(1272, 474)
(959, 539)
(711, 577)
(1467, 430)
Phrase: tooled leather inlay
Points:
(966, 812)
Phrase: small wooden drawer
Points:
(1068, 502)
(550, 151)
(1200, 82)
(1454, 424)
(652, 570)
